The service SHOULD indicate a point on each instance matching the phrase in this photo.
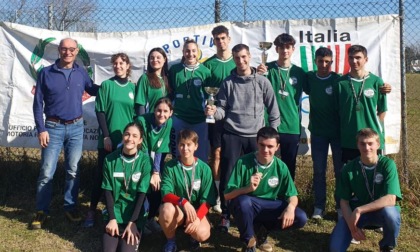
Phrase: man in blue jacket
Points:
(58, 95)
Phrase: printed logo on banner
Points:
(38, 54)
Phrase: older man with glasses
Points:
(58, 95)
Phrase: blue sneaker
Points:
(224, 224)
(90, 219)
(170, 246)
(194, 244)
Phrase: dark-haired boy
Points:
(242, 99)
(262, 193)
(359, 102)
(220, 65)
(288, 81)
(322, 125)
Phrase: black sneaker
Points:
(194, 244)
(74, 215)
(39, 220)
(262, 241)
(387, 249)
(250, 246)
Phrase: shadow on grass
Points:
(300, 240)
(17, 199)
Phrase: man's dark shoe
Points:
(194, 245)
(250, 246)
(387, 249)
(39, 220)
(262, 241)
(74, 215)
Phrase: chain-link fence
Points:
(134, 15)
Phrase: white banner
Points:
(24, 50)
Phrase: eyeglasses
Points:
(65, 49)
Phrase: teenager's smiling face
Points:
(324, 65)
(157, 60)
(162, 113)
(368, 146)
(285, 51)
(190, 53)
(187, 148)
(267, 147)
(242, 60)
(357, 61)
(221, 41)
(132, 139)
(120, 67)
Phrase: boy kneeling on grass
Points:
(188, 191)
(262, 193)
(369, 189)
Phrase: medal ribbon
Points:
(162, 85)
(188, 86)
(357, 97)
(263, 167)
(124, 160)
(283, 82)
(371, 192)
(187, 188)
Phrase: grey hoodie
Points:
(241, 102)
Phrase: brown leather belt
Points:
(61, 121)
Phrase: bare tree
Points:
(412, 56)
(69, 15)
(13, 11)
(75, 15)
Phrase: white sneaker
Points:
(217, 208)
(379, 230)
(318, 213)
(353, 241)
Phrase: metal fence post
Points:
(403, 97)
(50, 17)
(217, 11)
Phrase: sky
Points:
(136, 15)
(171, 13)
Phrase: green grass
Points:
(20, 167)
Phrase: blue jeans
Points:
(319, 152)
(202, 131)
(249, 211)
(71, 137)
(388, 218)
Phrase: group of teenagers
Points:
(253, 145)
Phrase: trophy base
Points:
(210, 120)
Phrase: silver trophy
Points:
(264, 46)
(211, 91)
